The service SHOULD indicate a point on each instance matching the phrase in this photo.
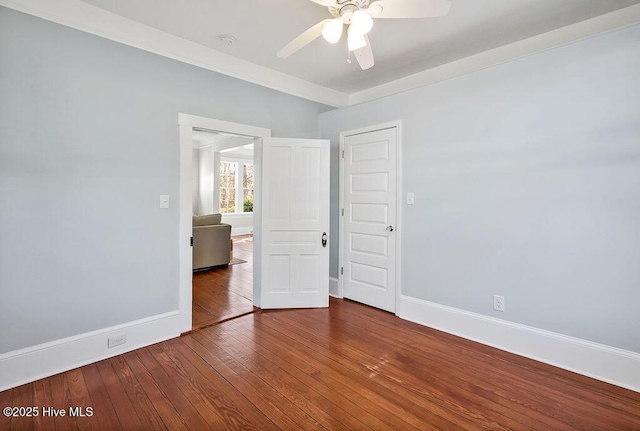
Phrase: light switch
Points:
(410, 198)
(164, 201)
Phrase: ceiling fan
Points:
(358, 16)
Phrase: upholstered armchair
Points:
(211, 241)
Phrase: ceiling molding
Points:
(601, 24)
(91, 19)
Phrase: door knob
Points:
(324, 239)
(390, 228)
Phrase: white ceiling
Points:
(244, 151)
(401, 46)
(409, 53)
(223, 142)
(203, 138)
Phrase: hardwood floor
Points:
(223, 293)
(349, 367)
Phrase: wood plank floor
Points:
(223, 293)
(349, 367)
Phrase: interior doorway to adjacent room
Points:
(223, 182)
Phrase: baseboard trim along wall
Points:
(32, 363)
(334, 288)
(609, 364)
(235, 231)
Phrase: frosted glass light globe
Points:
(332, 31)
(362, 21)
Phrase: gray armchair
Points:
(211, 241)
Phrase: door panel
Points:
(370, 208)
(372, 182)
(295, 216)
(376, 214)
(373, 245)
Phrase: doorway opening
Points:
(223, 184)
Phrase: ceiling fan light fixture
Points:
(362, 21)
(332, 31)
(355, 39)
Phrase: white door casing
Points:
(295, 215)
(369, 223)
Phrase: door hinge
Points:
(343, 154)
(191, 241)
(342, 270)
(343, 212)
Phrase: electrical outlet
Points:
(498, 303)
(116, 341)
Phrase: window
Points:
(236, 187)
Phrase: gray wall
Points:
(88, 142)
(207, 182)
(527, 184)
(195, 181)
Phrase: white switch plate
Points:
(410, 198)
(164, 201)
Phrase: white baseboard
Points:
(32, 363)
(334, 288)
(609, 364)
(235, 231)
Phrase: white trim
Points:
(186, 124)
(399, 206)
(44, 360)
(236, 231)
(609, 364)
(335, 287)
(341, 216)
(397, 125)
(242, 158)
(222, 126)
(185, 230)
(542, 42)
(94, 20)
(234, 215)
(257, 221)
(91, 19)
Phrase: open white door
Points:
(294, 223)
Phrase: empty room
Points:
(320, 214)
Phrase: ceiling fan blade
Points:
(364, 55)
(409, 8)
(303, 40)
